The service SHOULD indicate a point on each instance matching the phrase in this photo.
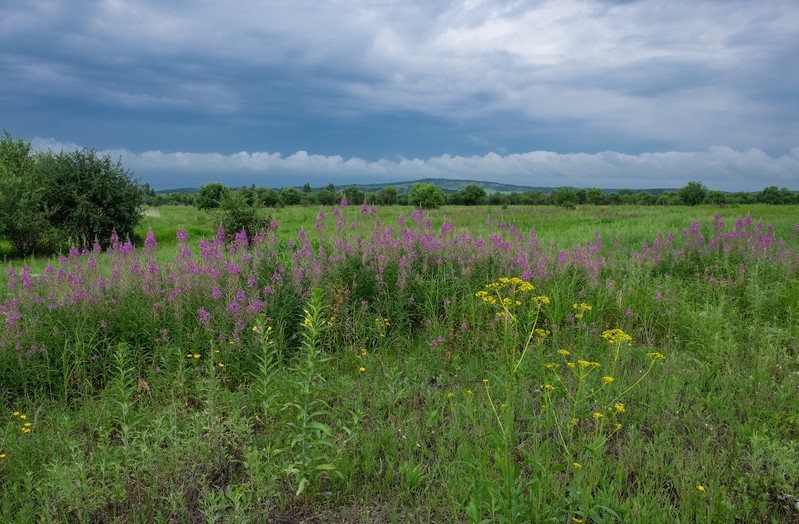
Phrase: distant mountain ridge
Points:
(447, 185)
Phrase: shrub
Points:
(209, 196)
(87, 195)
(426, 196)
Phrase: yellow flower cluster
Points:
(515, 282)
(26, 426)
(586, 364)
(614, 336)
(581, 308)
(485, 297)
(655, 356)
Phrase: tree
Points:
(326, 197)
(426, 196)
(693, 193)
(354, 195)
(23, 218)
(291, 196)
(387, 196)
(564, 197)
(472, 195)
(89, 196)
(267, 197)
(210, 195)
(772, 195)
(594, 196)
(235, 215)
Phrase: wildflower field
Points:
(353, 364)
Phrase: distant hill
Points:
(447, 185)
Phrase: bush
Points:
(50, 199)
(693, 193)
(426, 196)
(235, 215)
(88, 196)
(23, 220)
(209, 196)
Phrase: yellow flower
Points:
(564, 352)
(485, 381)
(618, 426)
(577, 519)
(23, 417)
(700, 488)
(221, 365)
(256, 329)
(542, 332)
(577, 465)
(361, 369)
(27, 424)
(597, 415)
(547, 387)
(16, 413)
(541, 300)
(450, 394)
(469, 392)
(619, 407)
(608, 380)
(655, 356)
(551, 366)
(614, 336)
(575, 421)
(570, 364)
(2, 455)
(26, 430)
(196, 355)
(586, 364)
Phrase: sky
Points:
(582, 93)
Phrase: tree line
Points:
(211, 196)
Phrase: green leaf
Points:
(301, 486)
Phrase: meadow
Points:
(465, 364)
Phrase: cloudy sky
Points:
(585, 93)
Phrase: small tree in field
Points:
(426, 196)
(23, 220)
(209, 196)
(88, 196)
(693, 193)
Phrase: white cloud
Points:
(720, 168)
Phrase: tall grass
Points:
(199, 380)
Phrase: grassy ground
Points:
(415, 400)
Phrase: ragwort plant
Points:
(582, 404)
(517, 313)
(582, 399)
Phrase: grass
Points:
(368, 401)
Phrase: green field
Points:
(466, 364)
